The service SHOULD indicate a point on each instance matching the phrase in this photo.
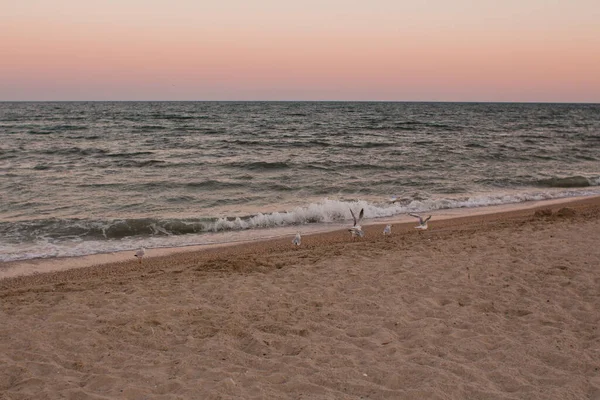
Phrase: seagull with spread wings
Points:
(356, 230)
(422, 222)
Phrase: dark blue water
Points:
(86, 177)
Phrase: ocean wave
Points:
(140, 164)
(473, 145)
(176, 116)
(244, 143)
(69, 228)
(68, 237)
(87, 137)
(325, 211)
(74, 151)
(210, 184)
(365, 167)
(569, 182)
(585, 157)
(572, 182)
(133, 154)
(260, 165)
(39, 132)
(214, 184)
(296, 114)
(365, 145)
(47, 130)
(146, 128)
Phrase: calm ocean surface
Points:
(90, 177)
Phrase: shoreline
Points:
(501, 305)
(404, 223)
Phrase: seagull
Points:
(393, 199)
(356, 230)
(387, 230)
(422, 222)
(140, 254)
(297, 239)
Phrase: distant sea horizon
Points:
(306, 101)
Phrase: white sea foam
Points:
(332, 211)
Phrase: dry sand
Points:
(497, 306)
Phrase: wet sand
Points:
(487, 306)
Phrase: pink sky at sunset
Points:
(311, 50)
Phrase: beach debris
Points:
(393, 199)
(140, 254)
(356, 229)
(297, 239)
(422, 222)
(387, 230)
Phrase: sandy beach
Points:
(487, 306)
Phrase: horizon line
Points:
(305, 101)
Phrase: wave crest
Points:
(69, 237)
(569, 182)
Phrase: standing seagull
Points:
(140, 254)
(356, 230)
(422, 222)
(387, 230)
(297, 239)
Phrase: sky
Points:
(377, 50)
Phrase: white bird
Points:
(387, 230)
(297, 239)
(140, 254)
(422, 222)
(356, 230)
(393, 199)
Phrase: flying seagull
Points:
(297, 239)
(422, 222)
(356, 230)
(140, 254)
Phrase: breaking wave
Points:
(72, 237)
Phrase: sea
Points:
(81, 178)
